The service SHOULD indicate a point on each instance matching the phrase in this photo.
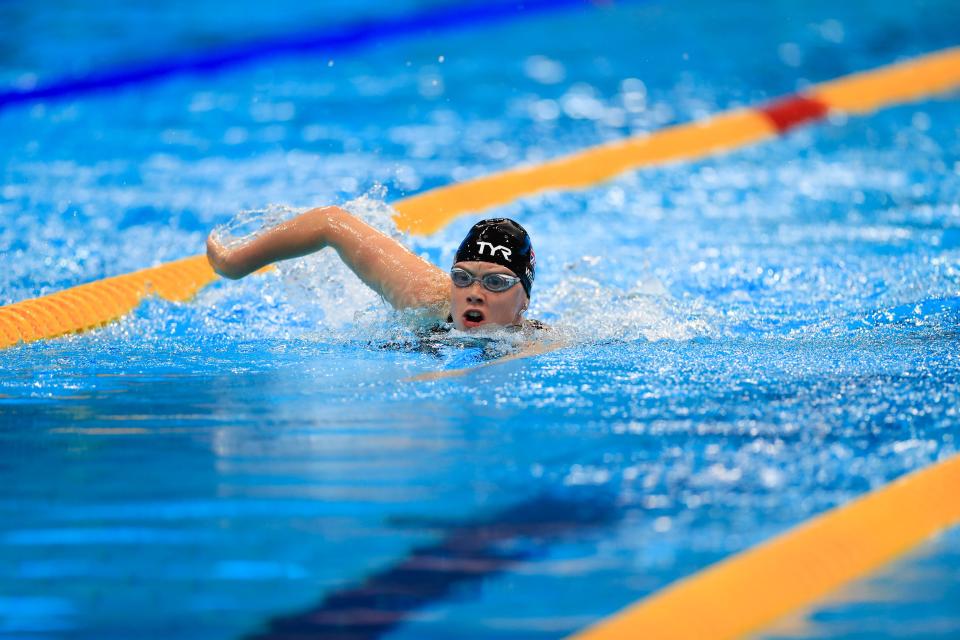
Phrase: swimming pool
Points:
(756, 337)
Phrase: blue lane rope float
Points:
(327, 42)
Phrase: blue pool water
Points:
(754, 338)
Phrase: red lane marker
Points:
(789, 112)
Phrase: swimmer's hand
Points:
(220, 258)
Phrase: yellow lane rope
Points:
(915, 79)
(745, 593)
(93, 305)
(428, 212)
(858, 93)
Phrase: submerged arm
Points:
(404, 279)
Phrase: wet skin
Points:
(404, 279)
(475, 306)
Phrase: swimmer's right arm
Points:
(404, 279)
(294, 238)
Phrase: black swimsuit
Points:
(433, 339)
(527, 324)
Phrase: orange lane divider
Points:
(856, 94)
(92, 305)
(97, 303)
(746, 593)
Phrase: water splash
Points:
(317, 293)
(590, 311)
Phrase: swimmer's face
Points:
(475, 306)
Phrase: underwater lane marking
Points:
(331, 41)
(430, 211)
(857, 93)
(746, 593)
(469, 553)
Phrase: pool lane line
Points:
(430, 211)
(469, 553)
(97, 303)
(746, 593)
(858, 93)
(327, 42)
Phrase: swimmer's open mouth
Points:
(472, 318)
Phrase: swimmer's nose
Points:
(475, 295)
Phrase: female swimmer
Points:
(480, 290)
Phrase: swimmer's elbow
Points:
(318, 220)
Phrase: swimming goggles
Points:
(495, 282)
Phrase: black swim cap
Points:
(504, 242)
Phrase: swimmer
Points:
(488, 285)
